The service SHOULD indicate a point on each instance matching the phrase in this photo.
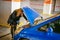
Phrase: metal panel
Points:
(32, 33)
(30, 14)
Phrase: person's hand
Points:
(18, 30)
(27, 20)
(26, 26)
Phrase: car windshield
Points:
(55, 25)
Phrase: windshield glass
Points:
(55, 25)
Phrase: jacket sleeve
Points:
(11, 18)
(24, 16)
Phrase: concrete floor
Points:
(5, 33)
(4, 30)
(7, 37)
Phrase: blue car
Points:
(51, 31)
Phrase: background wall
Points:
(25, 3)
(15, 4)
(38, 4)
(5, 10)
(57, 7)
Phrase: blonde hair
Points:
(20, 9)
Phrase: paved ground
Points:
(4, 30)
(7, 37)
(5, 33)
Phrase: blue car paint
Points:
(33, 34)
(38, 35)
(31, 14)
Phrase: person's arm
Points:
(8, 21)
(24, 16)
(11, 17)
(14, 14)
(27, 25)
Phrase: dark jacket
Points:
(13, 19)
